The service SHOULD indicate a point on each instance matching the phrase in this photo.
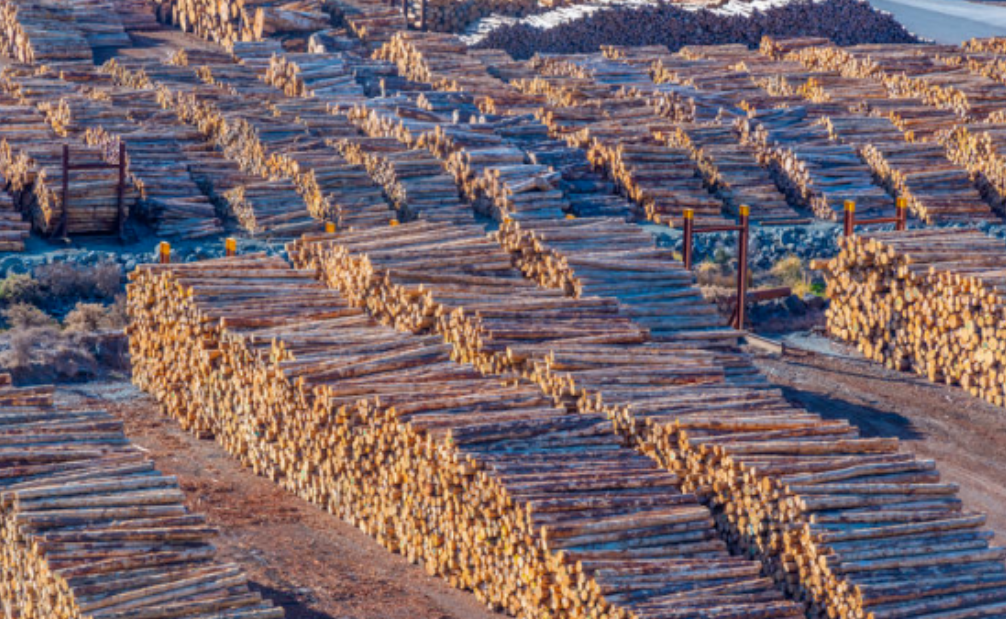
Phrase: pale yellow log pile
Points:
(539, 512)
(925, 301)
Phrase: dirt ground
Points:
(964, 435)
(304, 559)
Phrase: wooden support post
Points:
(901, 214)
(230, 246)
(849, 223)
(742, 267)
(164, 249)
(686, 252)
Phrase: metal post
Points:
(120, 191)
(230, 247)
(422, 15)
(901, 214)
(329, 227)
(65, 197)
(164, 250)
(850, 218)
(686, 253)
(742, 267)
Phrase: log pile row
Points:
(587, 27)
(31, 164)
(485, 484)
(928, 303)
(456, 15)
(42, 32)
(314, 75)
(228, 23)
(91, 529)
(163, 156)
(804, 512)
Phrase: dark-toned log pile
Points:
(230, 22)
(537, 511)
(456, 15)
(928, 302)
(91, 529)
(586, 28)
(13, 229)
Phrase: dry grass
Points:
(61, 280)
(790, 272)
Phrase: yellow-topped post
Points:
(230, 246)
(901, 214)
(329, 227)
(742, 266)
(164, 252)
(849, 222)
(686, 252)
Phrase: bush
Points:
(19, 288)
(28, 346)
(790, 272)
(61, 279)
(22, 316)
(91, 317)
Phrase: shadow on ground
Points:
(872, 422)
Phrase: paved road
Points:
(947, 21)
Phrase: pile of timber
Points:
(978, 148)
(842, 522)
(587, 27)
(456, 15)
(34, 178)
(229, 22)
(13, 229)
(484, 483)
(928, 302)
(314, 75)
(43, 32)
(91, 529)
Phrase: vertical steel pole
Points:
(329, 227)
(165, 252)
(686, 253)
(230, 247)
(422, 15)
(742, 267)
(901, 214)
(849, 222)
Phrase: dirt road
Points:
(304, 559)
(966, 436)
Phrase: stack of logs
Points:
(230, 22)
(484, 482)
(91, 529)
(42, 32)
(925, 301)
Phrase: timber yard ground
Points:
(319, 567)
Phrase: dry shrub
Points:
(29, 347)
(91, 317)
(61, 279)
(19, 288)
(22, 316)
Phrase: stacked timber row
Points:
(230, 22)
(91, 529)
(844, 523)
(485, 483)
(31, 164)
(928, 302)
(42, 32)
